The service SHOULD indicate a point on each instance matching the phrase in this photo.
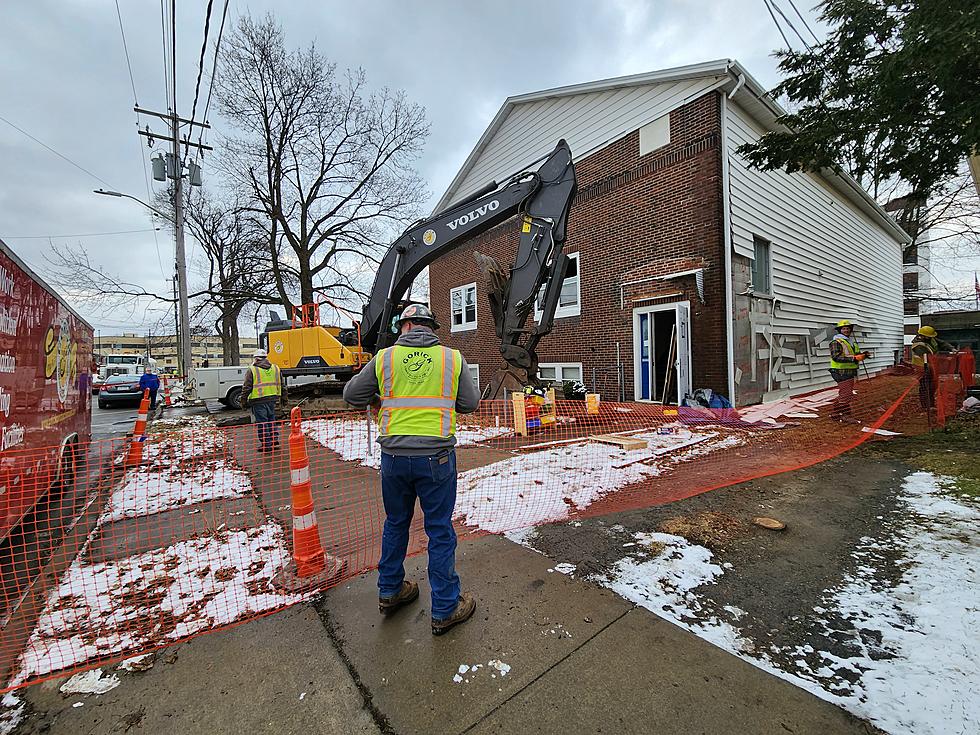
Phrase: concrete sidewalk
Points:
(580, 659)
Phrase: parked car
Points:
(120, 389)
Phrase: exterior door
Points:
(662, 353)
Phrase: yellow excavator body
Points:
(308, 349)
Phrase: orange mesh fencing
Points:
(204, 531)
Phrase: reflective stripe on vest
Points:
(265, 382)
(932, 347)
(850, 348)
(418, 388)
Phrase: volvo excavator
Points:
(542, 199)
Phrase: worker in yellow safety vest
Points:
(845, 358)
(418, 387)
(263, 388)
(926, 342)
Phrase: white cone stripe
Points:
(301, 523)
(299, 476)
(141, 416)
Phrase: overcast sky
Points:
(65, 81)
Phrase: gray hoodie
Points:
(362, 390)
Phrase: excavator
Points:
(541, 198)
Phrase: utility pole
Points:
(177, 329)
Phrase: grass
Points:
(953, 451)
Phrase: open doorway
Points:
(661, 353)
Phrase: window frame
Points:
(563, 312)
(464, 326)
(756, 291)
(474, 373)
(559, 368)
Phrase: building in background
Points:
(916, 276)
(688, 268)
(163, 348)
(960, 327)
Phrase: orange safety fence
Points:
(206, 531)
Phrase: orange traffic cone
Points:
(135, 454)
(166, 391)
(312, 565)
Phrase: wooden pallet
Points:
(628, 443)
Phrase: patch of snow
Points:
(90, 682)
(547, 486)
(137, 663)
(350, 439)
(149, 490)
(302, 696)
(565, 568)
(522, 536)
(76, 705)
(11, 713)
(501, 668)
(155, 597)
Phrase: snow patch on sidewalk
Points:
(147, 491)
(153, 598)
(90, 682)
(11, 713)
(350, 439)
(547, 486)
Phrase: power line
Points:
(60, 155)
(778, 27)
(214, 70)
(797, 10)
(200, 71)
(76, 234)
(129, 65)
(790, 24)
(166, 66)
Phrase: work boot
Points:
(463, 612)
(407, 594)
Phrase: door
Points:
(662, 353)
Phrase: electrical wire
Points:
(60, 155)
(800, 15)
(129, 64)
(778, 27)
(200, 72)
(214, 70)
(790, 24)
(166, 65)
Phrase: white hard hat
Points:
(259, 353)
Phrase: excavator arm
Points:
(542, 199)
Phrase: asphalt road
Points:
(112, 422)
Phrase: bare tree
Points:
(324, 166)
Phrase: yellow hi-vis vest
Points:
(265, 382)
(931, 346)
(850, 348)
(418, 388)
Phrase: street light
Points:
(108, 193)
(184, 337)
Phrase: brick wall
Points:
(634, 217)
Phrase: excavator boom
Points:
(542, 199)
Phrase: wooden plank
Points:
(626, 442)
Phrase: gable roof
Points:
(592, 115)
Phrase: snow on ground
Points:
(147, 490)
(11, 713)
(351, 439)
(156, 597)
(915, 661)
(90, 682)
(467, 672)
(181, 439)
(545, 486)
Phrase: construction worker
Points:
(263, 388)
(845, 358)
(150, 382)
(926, 342)
(418, 389)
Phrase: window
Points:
(761, 266)
(560, 371)
(475, 374)
(569, 299)
(463, 306)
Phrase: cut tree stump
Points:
(771, 523)
(628, 443)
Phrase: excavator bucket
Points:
(508, 379)
(496, 278)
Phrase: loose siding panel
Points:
(829, 261)
(588, 122)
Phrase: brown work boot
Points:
(463, 612)
(408, 593)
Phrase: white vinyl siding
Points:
(560, 371)
(587, 122)
(462, 304)
(829, 261)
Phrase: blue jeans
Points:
(433, 481)
(264, 418)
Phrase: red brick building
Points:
(689, 269)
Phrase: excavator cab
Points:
(303, 346)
